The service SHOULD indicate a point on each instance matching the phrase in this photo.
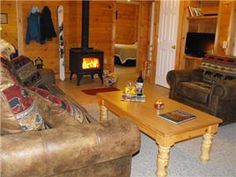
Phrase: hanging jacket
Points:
(33, 27)
(46, 25)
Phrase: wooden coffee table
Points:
(165, 133)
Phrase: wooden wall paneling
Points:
(101, 29)
(192, 62)
(208, 26)
(143, 34)
(223, 27)
(9, 30)
(19, 26)
(126, 23)
(72, 26)
(209, 7)
(100, 36)
(48, 51)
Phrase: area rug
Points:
(99, 90)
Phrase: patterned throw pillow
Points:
(75, 111)
(25, 71)
(23, 107)
(218, 68)
(18, 110)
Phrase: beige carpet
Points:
(184, 156)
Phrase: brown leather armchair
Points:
(211, 88)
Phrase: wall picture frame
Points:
(3, 18)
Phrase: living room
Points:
(102, 17)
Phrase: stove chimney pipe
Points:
(85, 25)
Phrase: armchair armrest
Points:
(175, 76)
(225, 89)
(54, 151)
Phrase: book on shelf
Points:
(194, 11)
(177, 116)
(190, 11)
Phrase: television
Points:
(199, 44)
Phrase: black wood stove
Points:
(85, 60)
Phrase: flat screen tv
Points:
(199, 44)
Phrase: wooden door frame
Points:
(114, 29)
(140, 36)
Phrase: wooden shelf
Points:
(187, 57)
(203, 17)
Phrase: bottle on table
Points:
(139, 84)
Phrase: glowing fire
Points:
(90, 62)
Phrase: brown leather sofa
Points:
(69, 148)
(210, 88)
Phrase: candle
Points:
(159, 105)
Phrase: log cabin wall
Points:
(100, 32)
(9, 30)
(126, 22)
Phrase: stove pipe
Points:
(85, 25)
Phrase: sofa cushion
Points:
(196, 91)
(59, 103)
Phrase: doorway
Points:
(126, 37)
(142, 33)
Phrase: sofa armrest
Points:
(175, 76)
(54, 151)
(225, 89)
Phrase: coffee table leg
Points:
(206, 147)
(103, 112)
(162, 161)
